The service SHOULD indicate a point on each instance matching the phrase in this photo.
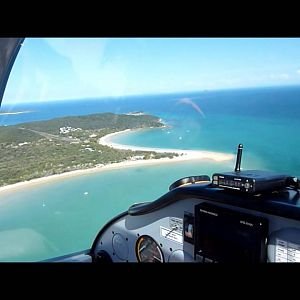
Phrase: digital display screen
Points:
(225, 235)
(232, 183)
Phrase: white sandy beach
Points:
(184, 155)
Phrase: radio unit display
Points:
(223, 235)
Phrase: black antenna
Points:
(238, 158)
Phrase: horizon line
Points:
(150, 94)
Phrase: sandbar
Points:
(15, 113)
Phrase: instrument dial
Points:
(147, 250)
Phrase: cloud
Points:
(97, 73)
(282, 76)
(85, 54)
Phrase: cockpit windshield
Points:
(90, 126)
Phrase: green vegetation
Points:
(38, 149)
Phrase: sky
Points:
(49, 69)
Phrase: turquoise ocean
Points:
(64, 216)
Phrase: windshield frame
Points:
(9, 49)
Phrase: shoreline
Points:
(184, 155)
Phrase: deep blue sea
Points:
(58, 217)
(265, 120)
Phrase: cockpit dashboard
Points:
(203, 224)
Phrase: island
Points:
(37, 151)
(44, 148)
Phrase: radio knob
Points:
(247, 185)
